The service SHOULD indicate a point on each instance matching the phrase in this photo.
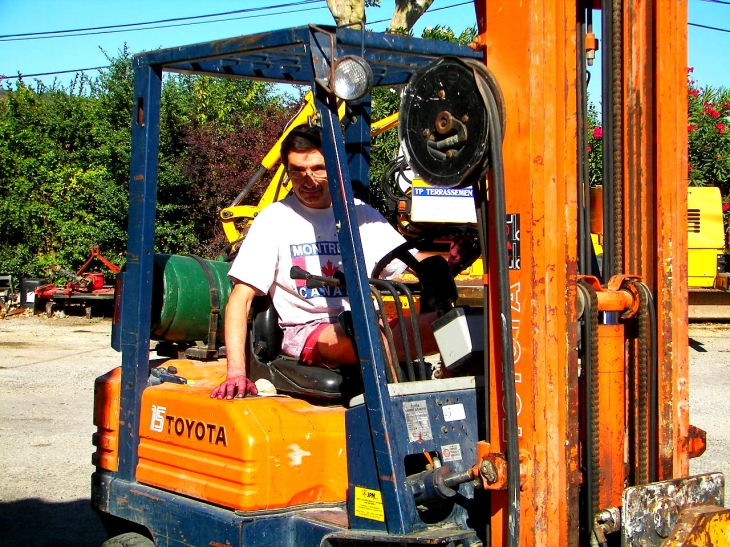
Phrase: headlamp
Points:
(352, 78)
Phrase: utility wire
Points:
(174, 19)
(425, 12)
(53, 73)
(709, 28)
(717, 2)
(162, 26)
(4, 38)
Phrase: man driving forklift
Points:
(301, 231)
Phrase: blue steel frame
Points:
(296, 56)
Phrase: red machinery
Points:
(85, 288)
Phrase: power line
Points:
(247, 17)
(46, 34)
(426, 12)
(53, 73)
(163, 26)
(708, 28)
(717, 2)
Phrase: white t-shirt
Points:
(286, 234)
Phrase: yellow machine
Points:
(705, 236)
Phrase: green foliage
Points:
(445, 34)
(708, 131)
(595, 146)
(65, 160)
(709, 136)
(56, 201)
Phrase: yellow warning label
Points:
(369, 504)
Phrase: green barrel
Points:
(181, 297)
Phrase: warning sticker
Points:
(417, 421)
(451, 452)
(453, 413)
(369, 504)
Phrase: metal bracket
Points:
(650, 512)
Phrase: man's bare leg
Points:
(336, 348)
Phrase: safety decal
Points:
(369, 504)
(451, 452)
(453, 413)
(417, 421)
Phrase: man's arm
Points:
(236, 383)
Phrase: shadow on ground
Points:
(36, 523)
(697, 346)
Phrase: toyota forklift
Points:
(558, 415)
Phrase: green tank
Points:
(189, 296)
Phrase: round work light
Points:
(353, 78)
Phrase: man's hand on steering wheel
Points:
(463, 251)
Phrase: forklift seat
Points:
(287, 374)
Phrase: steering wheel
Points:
(470, 250)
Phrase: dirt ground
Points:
(47, 372)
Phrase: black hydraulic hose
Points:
(607, 123)
(589, 365)
(392, 372)
(401, 323)
(653, 384)
(584, 225)
(642, 403)
(617, 134)
(498, 223)
(653, 391)
(481, 210)
(414, 324)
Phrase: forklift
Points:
(561, 418)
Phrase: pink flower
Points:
(589, 149)
(689, 167)
(726, 207)
(721, 128)
(694, 92)
(690, 69)
(597, 132)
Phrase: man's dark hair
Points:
(300, 139)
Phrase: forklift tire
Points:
(130, 539)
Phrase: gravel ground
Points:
(47, 372)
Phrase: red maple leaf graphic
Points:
(329, 269)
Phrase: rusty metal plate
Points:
(650, 512)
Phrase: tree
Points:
(709, 135)
(352, 13)
(708, 132)
(406, 14)
(65, 160)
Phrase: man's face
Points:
(309, 178)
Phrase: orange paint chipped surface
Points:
(248, 454)
(106, 420)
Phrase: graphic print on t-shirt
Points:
(324, 255)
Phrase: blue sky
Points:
(709, 51)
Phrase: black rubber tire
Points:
(130, 539)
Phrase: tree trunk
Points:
(348, 12)
(406, 13)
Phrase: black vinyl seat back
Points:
(288, 374)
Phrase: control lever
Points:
(317, 281)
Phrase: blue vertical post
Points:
(357, 147)
(137, 290)
(400, 511)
